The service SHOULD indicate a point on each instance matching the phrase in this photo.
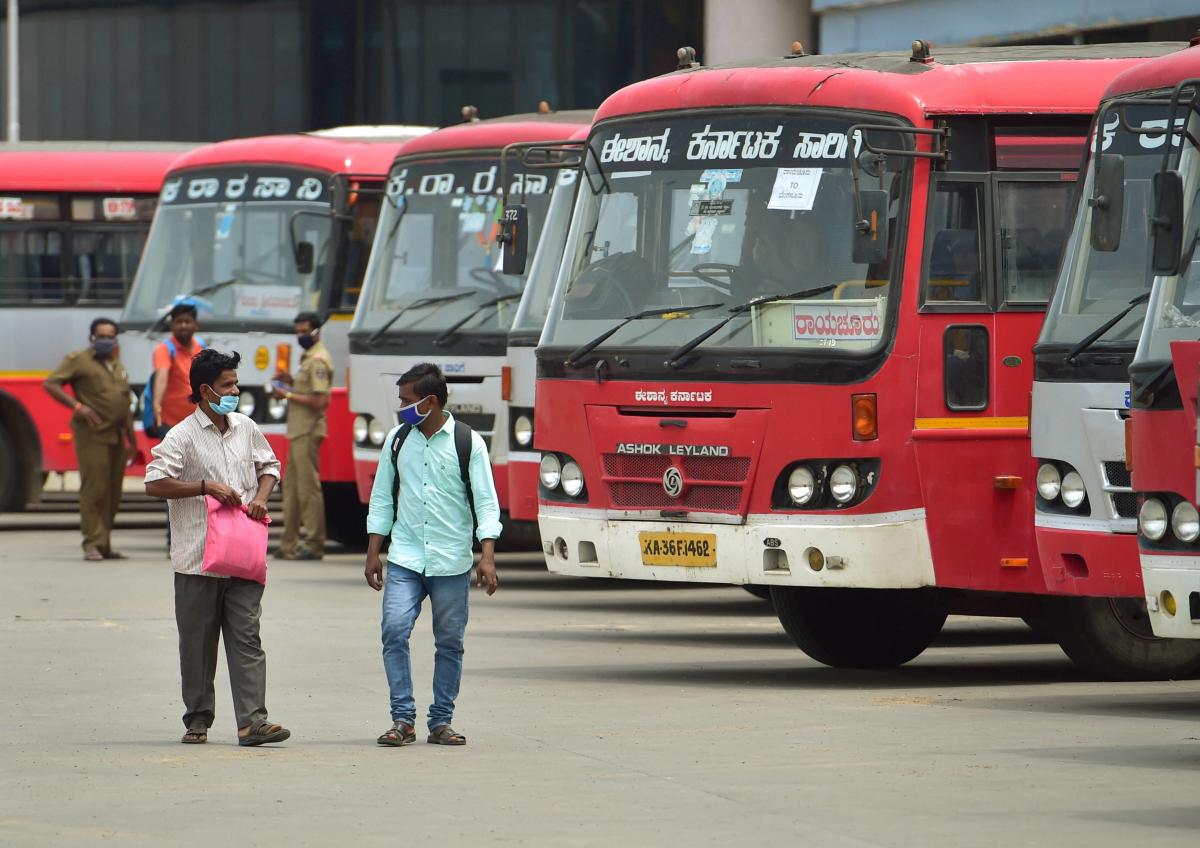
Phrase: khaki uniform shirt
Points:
(315, 378)
(102, 386)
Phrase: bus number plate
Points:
(689, 550)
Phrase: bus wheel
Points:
(10, 475)
(856, 628)
(345, 515)
(763, 592)
(1112, 638)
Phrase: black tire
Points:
(763, 592)
(857, 628)
(519, 536)
(1111, 638)
(11, 490)
(345, 515)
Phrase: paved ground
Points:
(598, 713)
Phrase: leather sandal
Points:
(398, 735)
(444, 734)
(195, 737)
(264, 733)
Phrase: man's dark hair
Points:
(207, 367)
(184, 308)
(100, 322)
(313, 319)
(427, 379)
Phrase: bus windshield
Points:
(437, 237)
(724, 208)
(1093, 286)
(535, 303)
(223, 238)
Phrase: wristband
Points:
(287, 396)
(78, 404)
(202, 482)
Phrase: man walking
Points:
(172, 365)
(102, 425)
(216, 451)
(432, 471)
(308, 400)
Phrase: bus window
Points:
(954, 268)
(352, 263)
(104, 263)
(31, 266)
(1033, 218)
(965, 367)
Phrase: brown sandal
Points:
(399, 734)
(264, 733)
(444, 734)
(195, 737)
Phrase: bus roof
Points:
(496, 133)
(1159, 73)
(334, 151)
(79, 166)
(1053, 79)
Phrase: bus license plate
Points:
(689, 550)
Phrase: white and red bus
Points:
(434, 290)
(253, 231)
(73, 219)
(790, 343)
(1165, 373)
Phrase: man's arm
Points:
(381, 514)
(159, 392)
(53, 385)
(164, 473)
(317, 400)
(487, 513)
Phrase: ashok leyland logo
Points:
(673, 482)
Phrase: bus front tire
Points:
(345, 515)
(1112, 639)
(857, 628)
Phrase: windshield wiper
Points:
(1094, 336)
(416, 304)
(487, 304)
(184, 298)
(583, 351)
(673, 360)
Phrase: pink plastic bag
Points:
(236, 544)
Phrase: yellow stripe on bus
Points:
(981, 422)
(12, 374)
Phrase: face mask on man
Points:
(225, 403)
(411, 415)
(104, 346)
(306, 341)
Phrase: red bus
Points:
(1165, 373)
(73, 218)
(253, 231)
(790, 343)
(1086, 518)
(435, 290)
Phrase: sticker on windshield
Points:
(225, 222)
(12, 207)
(795, 189)
(702, 241)
(473, 222)
(707, 208)
(726, 175)
(836, 322)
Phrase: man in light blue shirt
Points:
(426, 510)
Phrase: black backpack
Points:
(462, 446)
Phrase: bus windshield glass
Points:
(223, 238)
(724, 208)
(1093, 286)
(437, 237)
(543, 269)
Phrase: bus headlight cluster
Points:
(523, 430)
(276, 408)
(1152, 519)
(802, 485)
(247, 404)
(1156, 518)
(561, 474)
(843, 484)
(1059, 483)
(825, 483)
(369, 431)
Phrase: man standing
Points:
(426, 509)
(216, 451)
(308, 400)
(102, 424)
(172, 365)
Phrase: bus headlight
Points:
(1072, 490)
(1185, 522)
(1152, 519)
(550, 471)
(246, 404)
(843, 484)
(276, 408)
(1049, 481)
(133, 403)
(523, 431)
(571, 478)
(376, 432)
(361, 426)
(802, 485)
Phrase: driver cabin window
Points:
(1034, 218)
(955, 262)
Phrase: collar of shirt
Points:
(231, 420)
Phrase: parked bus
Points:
(790, 341)
(434, 291)
(1165, 372)
(253, 231)
(73, 218)
(1086, 510)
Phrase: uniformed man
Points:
(308, 398)
(102, 422)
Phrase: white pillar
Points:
(13, 101)
(735, 30)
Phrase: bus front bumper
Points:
(1178, 576)
(1087, 559)
(883, 551)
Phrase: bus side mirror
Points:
(1167, 223)
(340, 196)
(514, 238)
(305, 253)
(871, 229)
(1108, 203)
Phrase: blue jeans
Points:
(403, 593)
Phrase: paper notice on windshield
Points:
(280, 302)
(12, 207)
(795, 189)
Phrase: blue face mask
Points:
(227, 404)
(410, 415)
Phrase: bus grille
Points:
(1125, 504)
(1117, 474)
(710, 483)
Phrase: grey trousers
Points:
(206, 607)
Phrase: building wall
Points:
(736, 30)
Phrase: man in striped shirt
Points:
(219, 452)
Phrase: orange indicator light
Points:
(283, 356)
(1006, 481)
(1014, 562)
(865, 418)
(506, 382)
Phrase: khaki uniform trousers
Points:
(101, 474)
(303, 503)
